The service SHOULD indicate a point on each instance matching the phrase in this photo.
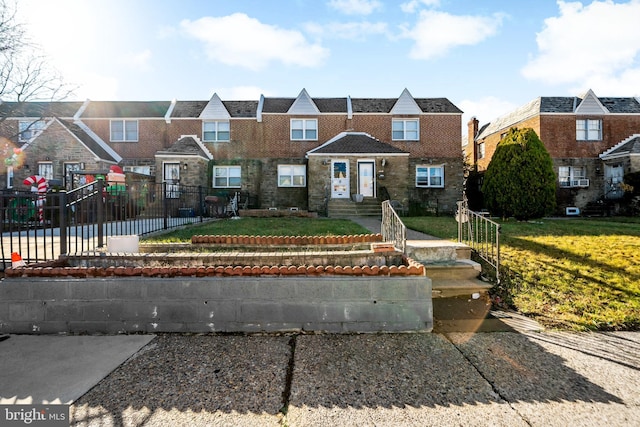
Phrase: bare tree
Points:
(25, 75)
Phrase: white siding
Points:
(405, 104)
(215, 110)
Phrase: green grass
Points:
(579, 274)
(265, 227)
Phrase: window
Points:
(570, 176)
(292, 175)
(588, 130)
(215, 131)
(481, 150)
(124, 130)
(405, 130)
(29, 129)
(144, 170)
(45, 169)
(304, 129)
(430, 176)
(227, 176)
(9, 176)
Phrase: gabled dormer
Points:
(303, 105)
(590, 105)
(215, 121)
(406, 105)
(215, 110)
(405, 129)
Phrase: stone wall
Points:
(233, 304)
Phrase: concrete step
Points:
(437, 251)
(463, 269)
(447, 288)
(340, 208)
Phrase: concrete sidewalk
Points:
(474, 379)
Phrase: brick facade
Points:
(260, 141)
(554, 120)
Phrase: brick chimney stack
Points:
(472, 132)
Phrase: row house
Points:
(297, 152)
(593, 142)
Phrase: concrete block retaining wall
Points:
(219, 304)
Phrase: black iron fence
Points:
(42, 226)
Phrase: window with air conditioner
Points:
(571, 176)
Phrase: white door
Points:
(171, 175)
(340, 179)
(366, 179)
(613, 176)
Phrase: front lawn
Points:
(283, 226)
(580, 274)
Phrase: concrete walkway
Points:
(514, 378)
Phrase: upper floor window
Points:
(405, 130)
(29, 129)
(292, 175)
(124, 130)
(430, 176)
(227, 176)
(570, 176)
(304, 129)
(588, 130)
(481, 152)
(215, 131)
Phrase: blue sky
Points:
(486, 56)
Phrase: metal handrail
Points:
(393, 229)
(481, 234)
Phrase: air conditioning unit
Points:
(580, 183)
(572, 211)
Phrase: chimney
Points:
(472, 132)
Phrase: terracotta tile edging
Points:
(409, 268)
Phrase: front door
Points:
(340, 179)
(171, 176)
(366, 179)
(613, 176)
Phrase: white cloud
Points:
(436, 33)
(594, 46)
(94, 86)
(486, 110)
(242, 41)
(348, 30)
(239, 93)
(139, 60)
(413, 5)
(355, 7)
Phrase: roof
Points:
(95, 146)
(355, 143)
(187, 144)
(557, 105)
(125, 109)
(630, 145)
(39, 109)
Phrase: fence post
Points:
(62, 217)
(100, 210)
(165, 209)
(200, 203)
